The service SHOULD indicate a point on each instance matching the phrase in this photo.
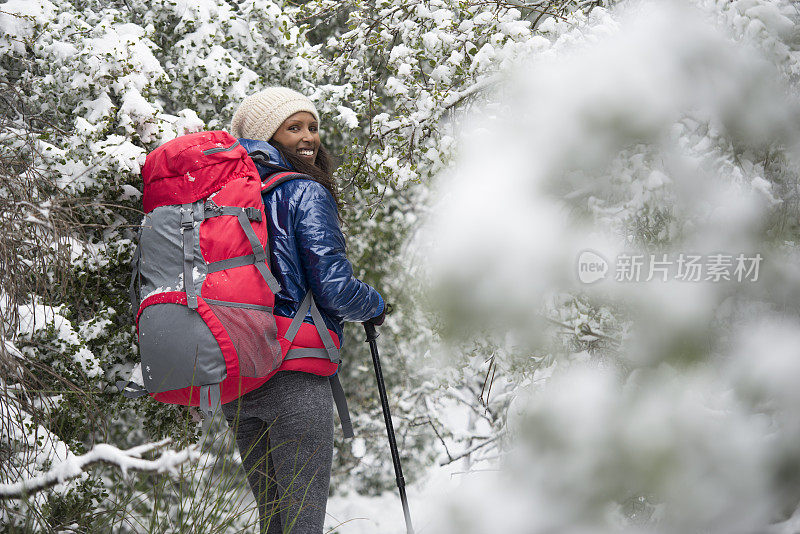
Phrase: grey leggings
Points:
(284, 432)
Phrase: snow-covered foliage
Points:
(87, 89)
(400, 69)
(522, 133)
(652, 403)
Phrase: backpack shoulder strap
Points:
(274, 180)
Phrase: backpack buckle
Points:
(253, 214)
(210, 205)
(187, 218)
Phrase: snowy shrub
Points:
(88, 88)
(655, 402)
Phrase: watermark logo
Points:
(591, 267)
(682, 267)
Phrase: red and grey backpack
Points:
(201, 285)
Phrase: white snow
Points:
(347, 117)
(35, 318)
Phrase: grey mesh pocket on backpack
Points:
(253, 332)
(178, 350)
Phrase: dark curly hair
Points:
(321, 171)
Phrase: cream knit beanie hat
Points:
(260, 115)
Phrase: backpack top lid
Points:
(191, 167)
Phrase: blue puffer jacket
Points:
(307, 248)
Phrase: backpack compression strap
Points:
(259, 257)
(210, 395)
(187, 229)
(210, 399)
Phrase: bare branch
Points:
(470, 450)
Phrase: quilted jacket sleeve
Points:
(322, 255)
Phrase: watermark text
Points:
(719, 267)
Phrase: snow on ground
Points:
(359, 514)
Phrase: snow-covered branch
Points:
(125, 460)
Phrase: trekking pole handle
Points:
(372, 332)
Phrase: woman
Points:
(284, 429)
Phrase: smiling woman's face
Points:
(299, 134)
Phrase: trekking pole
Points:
(372, 336)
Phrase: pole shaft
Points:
(372, 336)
